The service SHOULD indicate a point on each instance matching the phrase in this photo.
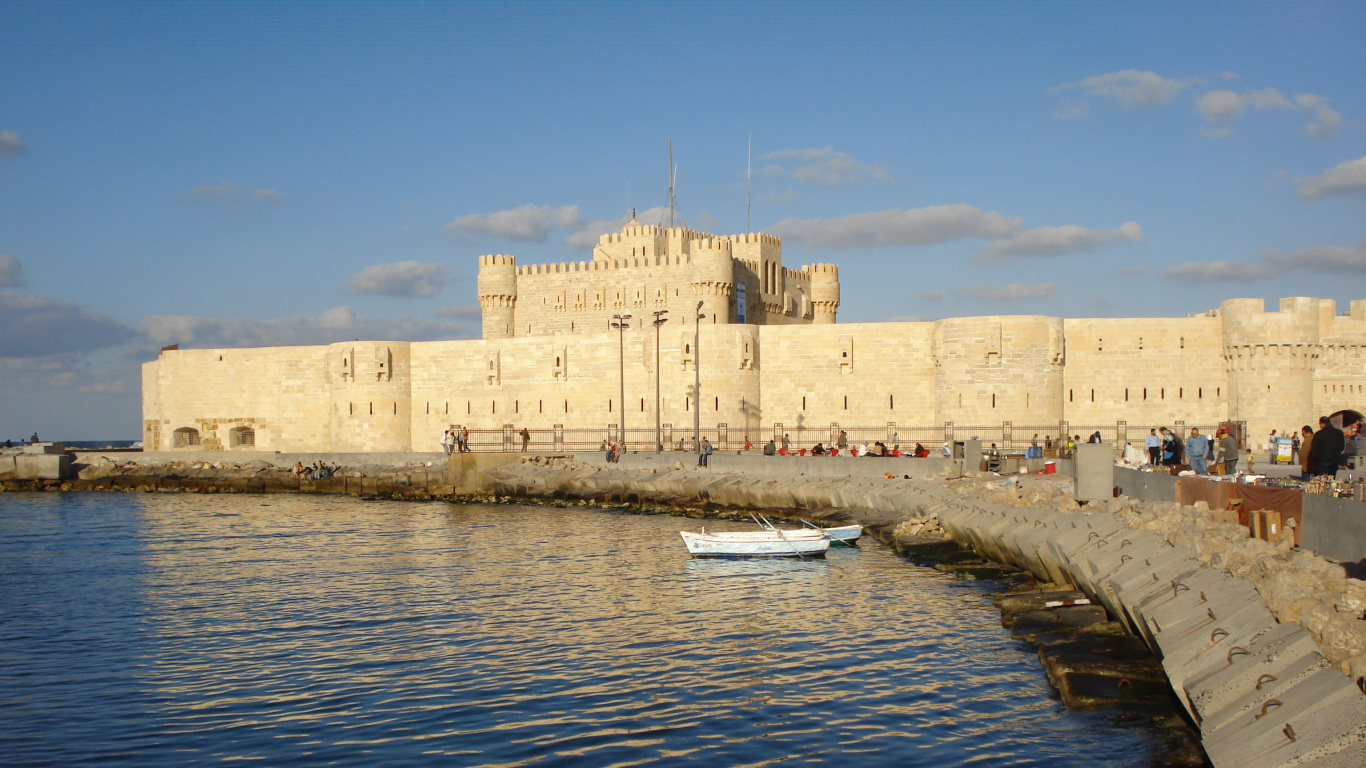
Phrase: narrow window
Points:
(448, 406)
(1199, 393)
(642, 405)
(1126, 394)
(1145, 393)
(687, 403)
(1069, 395)
(1218, 391)
(609, 405)
(516, 406)
(353, 408)
(372, 408)
(1093, 395)
(718, 404)
(1100, 345)
(495, 406)
(846, 402)
(891, 402)
(469, 407)
(429, 409)
(395, 407)
(540, 406)
(993, 400)
(1183, 342)
(1026, 400)
(1180, 392)
(803, 402)
(1164, 393)
(566, 406)
(1140, 342)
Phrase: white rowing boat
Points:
(765, 543)
(846, 535)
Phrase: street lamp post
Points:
(697, 381)
(620, 324)
(660, 319)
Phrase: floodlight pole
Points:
(620, 324)
(659, 320)
(697, 380)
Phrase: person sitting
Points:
(879, 449)
(993, 459)
(921, 452)
(817, 450)
(748, 445)
(770, 448)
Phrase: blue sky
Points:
(235, 174)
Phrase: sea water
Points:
(181, 629)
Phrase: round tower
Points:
(1270, 358)
(713, 278)
(825, 293)
(498, 295)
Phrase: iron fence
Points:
(1007, 436)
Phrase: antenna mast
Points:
(671, 183)
(749, 153)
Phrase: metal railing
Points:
(723, 437)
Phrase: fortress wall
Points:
(1339, 379)
(1178, 361)
(1001, 368)
(369, 385)
(573, 380)
(279, 392)
(881, 368)
(569, 297)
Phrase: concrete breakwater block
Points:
(1322, 716)
(1278, 658)
(1053, 619)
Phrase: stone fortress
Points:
(771, 356)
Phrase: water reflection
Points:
(293, 629)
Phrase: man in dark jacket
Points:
(1326, 450)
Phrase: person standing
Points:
(446, 442)
(1154, 445)
(1197, 445)
(1271, 447)
(1306, 446)
(787, 443)
(526, 439)
(843, 441)
(465, 439)
(1326, 453)
(1228, 452)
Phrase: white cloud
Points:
(1052, 241)
(1218, 272)
(33, 326)
(1131, 87)
(1221, 106)
(929, 296)
(528, 223)
(824, 166)
(11, 272)
(460, 311)
(1009, 292)
(1344, 178)
(11, 144)
(916, 226)
(227, 193)
(1320, 259)
(1323, 259)
(776, 198)
(404, 279)
(337, 324)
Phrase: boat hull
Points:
(756, 544)
(845, 535)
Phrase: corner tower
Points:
(1271, 358)
(825, 293)
(713, 278)
(498, 295)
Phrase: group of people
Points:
(316, 471)
(1325, 451)
(457, 439)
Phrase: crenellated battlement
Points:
(712, 244)
(635, 230)
(832, 270)
(756, 238)
(497, 260)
